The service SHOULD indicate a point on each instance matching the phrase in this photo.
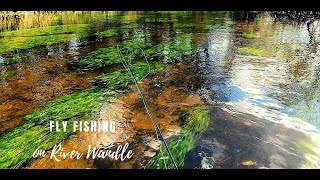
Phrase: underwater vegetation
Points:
(251, 35)
(159, 20)
(11, 60)
(29, 38)
(107, 33)
(218, 26)
(119, 80)
(7, 74)
(196, 122)
(109, 56)
(131, 49)
(173, 50)
(18, 145)
(251, 51)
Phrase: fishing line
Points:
(146, 105)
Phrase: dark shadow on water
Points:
(244, 141)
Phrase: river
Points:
(257, 72)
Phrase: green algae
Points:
(310, 151)
(251, 35)
(100, 58)
(107, 33)
(159, 20)
(11, 60)
(195, 124)
(29, 38)
(130, 26)
(251, 51)
(120, 79)
(174, 50)
(18, 145)
(296, 47)
(218, 25)
(132, 49)
(109, 56)
(7, 74)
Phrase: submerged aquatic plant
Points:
(219, 26)
(196, 122)
(251, 35)
(159, 20)
(119, 80)
(18, 145)
(131, 49)
(100, 58)
(251, 51)
(173, 50)
(29, 38)
(11, 60)
(107, 33)
(7, 74)
(109, 56)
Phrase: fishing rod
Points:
(146, 105)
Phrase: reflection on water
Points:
(279, 85)
(259, 72)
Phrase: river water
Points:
(258, 73)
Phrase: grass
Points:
(251, 35)
(196, 123)
(7, 74)
(18, 145)
(29, 38)
(251, 51)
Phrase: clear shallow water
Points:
(259, 75)
(278, 90)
